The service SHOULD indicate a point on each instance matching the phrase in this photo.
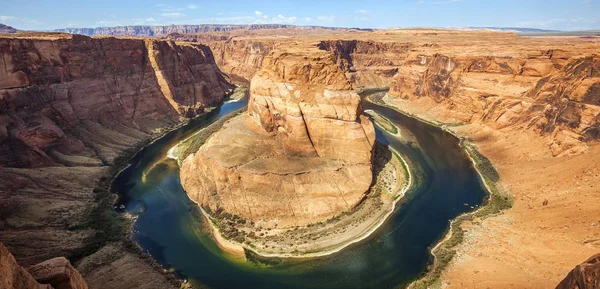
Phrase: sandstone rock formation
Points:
(301, 155)
(70, 105)
(56, 273)
(60, 95)
(241, 57)
(13, 275)
(584, 276)
(59, 273)
(553, 95)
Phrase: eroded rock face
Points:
(558, 97)
(584, 276)
(61, 95)
(301, 155)
(57, 273)
(69, 106)
(12, 275)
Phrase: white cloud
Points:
(328, 19)
(7, 18)
(280, 19)
(172, 15)
(107, 23)
(193, 6)
(259, 17)
(362, 11)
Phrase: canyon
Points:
(301, 155)
(527, 103)
(73, 105)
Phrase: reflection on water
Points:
(170, 227)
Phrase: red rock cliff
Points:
(69, 105)
(58, 95)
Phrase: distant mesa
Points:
(147, 31)
(5, 29)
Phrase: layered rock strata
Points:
(301, 155)
(584, 276)
(57, 273)
(70, 105)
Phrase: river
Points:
(170, 227)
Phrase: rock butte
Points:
(301, 155)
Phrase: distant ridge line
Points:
(148, 31)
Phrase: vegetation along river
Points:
(171, 228)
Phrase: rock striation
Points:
(301, 155)
(584, 276)
(70, 105)
(57, 273)
(59, 95)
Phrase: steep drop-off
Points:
(301, 155)
(57, 273)
(71, 105)
(530, 106)
(584, 276)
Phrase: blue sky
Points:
(545, 14)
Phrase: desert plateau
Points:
(297, 152)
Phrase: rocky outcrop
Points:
(13, 275)
(147, 31)
(555, 96)
(301, 155)
(59, 273)
(241, 57)
(52, 274)
(368, 63)
(5, 29)
(584, 276)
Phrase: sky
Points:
(543, 14)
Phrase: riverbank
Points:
(392, 180)
(491, 249)
(384, 123)
(112, 243)
(444, 251)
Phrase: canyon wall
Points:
(241, 57)
(552, 94)
(583, 276)
(57, 273)
(301, 155)
(70, 106)
(521, 84)
(60, 95)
